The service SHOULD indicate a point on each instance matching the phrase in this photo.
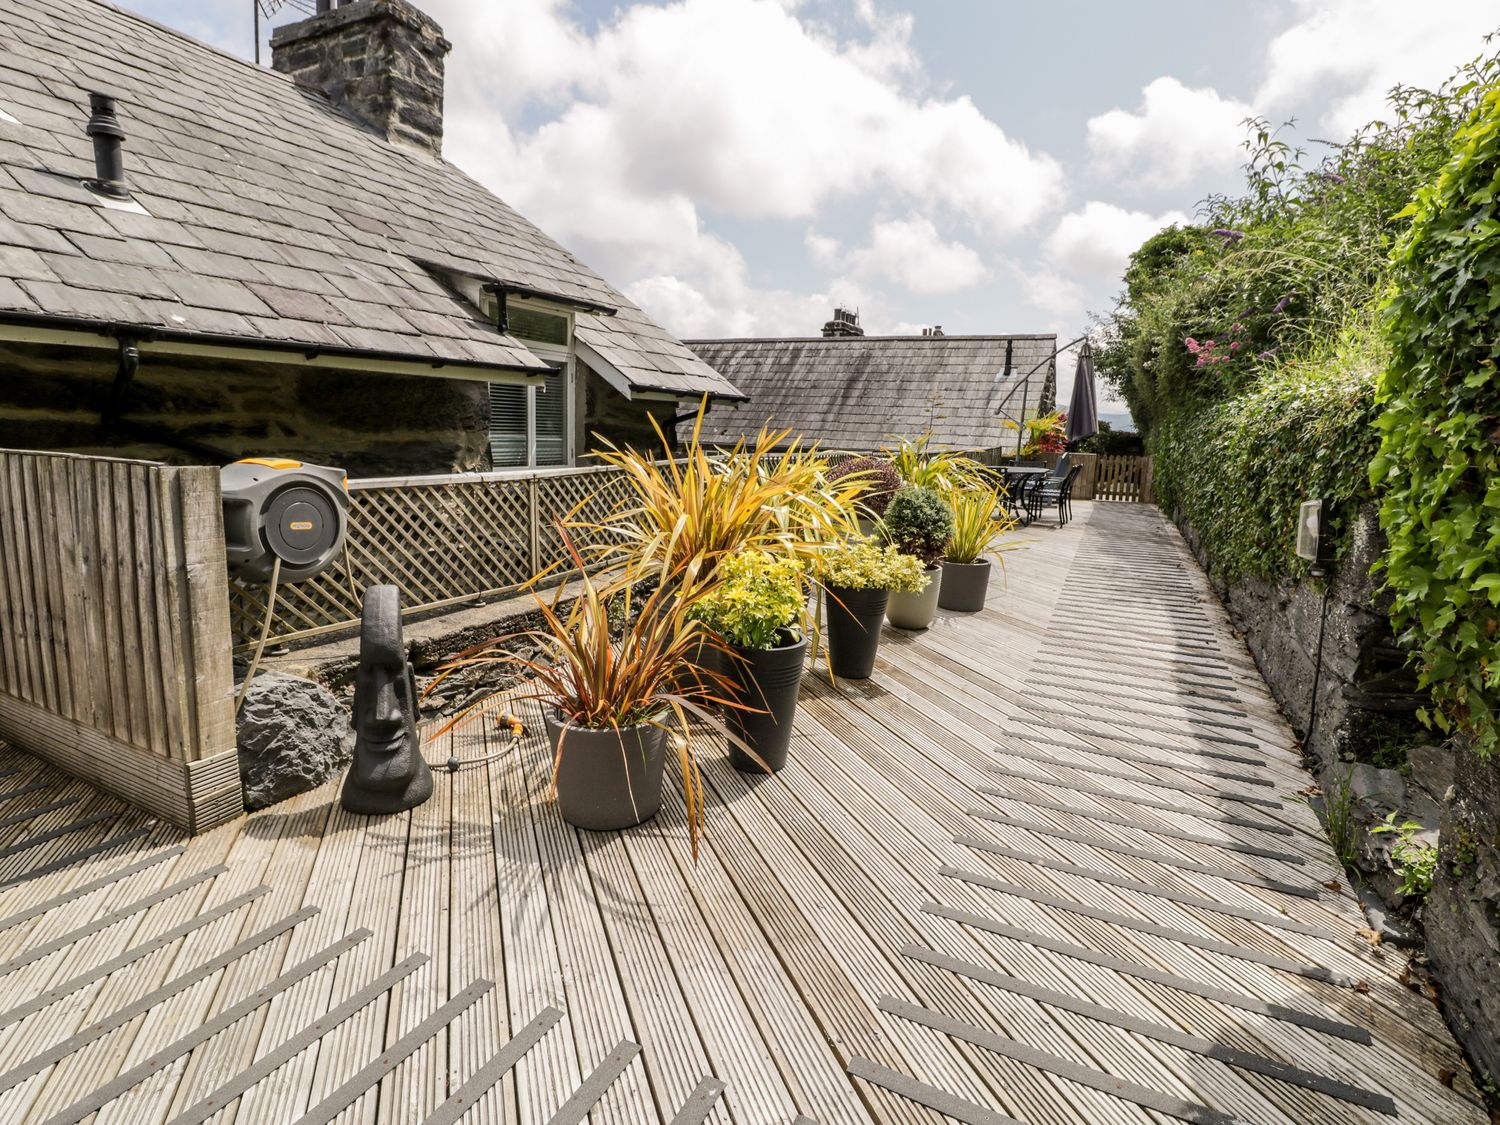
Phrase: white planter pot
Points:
(916, 611)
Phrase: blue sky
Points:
(740, 166)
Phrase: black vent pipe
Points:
(109, 142)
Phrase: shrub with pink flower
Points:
(1215, 353)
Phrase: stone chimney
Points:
(382, 60)
(844, 323)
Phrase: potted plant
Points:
(757, 607)
(918, 523)
(920, 467)
(680, 517)
(979, 521)
(858, 579)
(606, 671)
(878, 481)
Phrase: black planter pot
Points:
(965, 585)
(608, 779)
(767, 680)
(854, 620)
(699, 669)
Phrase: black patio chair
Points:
(1051, 491)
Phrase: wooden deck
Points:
(1050, 864)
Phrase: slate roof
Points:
(273, 216)
(858, 392)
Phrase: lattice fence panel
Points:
(579, 499)
(441, 541)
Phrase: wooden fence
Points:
(113, 627)
(441, 540)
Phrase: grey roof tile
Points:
(49, 212)
(22, 263)
(859, 393)
(249, 178)
(87, 304)
(12, 296)
(87, 273)
(214, 293)
(209, 263)
(297, 304)
(128, 251)
(33, 237)
(192, 318)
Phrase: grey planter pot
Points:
(766, 679)
(608, 779)
(916, 611)
(965, 585)
(854, 619)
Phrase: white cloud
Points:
(1085, 256)
(667, 113)
(1353, 51)
(1097, 239)
(908, 252)
(1174, 136)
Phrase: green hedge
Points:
(1439, 460)
(1238, 470)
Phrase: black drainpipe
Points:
(115, 424)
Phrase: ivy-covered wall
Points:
(1335, 332)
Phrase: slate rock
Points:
(1432, 770)
(1462, 915)
(293, 736)
(1393, 930)
(1377, 788)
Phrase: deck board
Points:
(833, 955)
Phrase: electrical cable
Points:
(265, 631)
(517, 732)
(1312, 706)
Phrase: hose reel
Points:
(278, 509)
(283, 519)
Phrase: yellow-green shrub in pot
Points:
(757, 607)
(857, 580)
(918, 522)
(979, 523)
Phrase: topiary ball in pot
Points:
(918, 522)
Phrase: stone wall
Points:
(1462, 915)
(210, 412)
(1369, 756)
(626, 422)
(1364, 688)
(190, 412)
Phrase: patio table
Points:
(1017, 479)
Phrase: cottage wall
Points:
(626, 422)
(195, 412)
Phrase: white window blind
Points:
(508, 425)
(550, 407)
(529, 425)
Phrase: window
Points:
(531, 427)
(550, 419)
(508, 425)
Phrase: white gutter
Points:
(291, 354)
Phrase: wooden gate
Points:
(1123, 478)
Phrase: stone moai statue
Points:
(388, 773)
